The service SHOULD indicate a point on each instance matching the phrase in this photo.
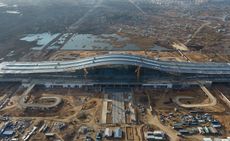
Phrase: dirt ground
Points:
(84, 108)
(161, 103)
(80, 108)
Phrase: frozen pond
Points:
(12, 12)
(41, 39)
(118, 38)
(102, 42)
(87, 42)
(60, 42)
(3, 4)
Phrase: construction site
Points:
(81, 113)
(106, 70)
(62, 100)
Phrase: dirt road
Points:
(197, 31)
(212, 100)
(152, 119)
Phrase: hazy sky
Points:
(42, 2)
(93, 2)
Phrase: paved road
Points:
(114, 59)
(84, 17)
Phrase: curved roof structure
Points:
(114, 59)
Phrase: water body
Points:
(118, 38)
(41, 39)
(57, 44)
(102, 42)
(85, 42)
(13, 12)
(3, 4)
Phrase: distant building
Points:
(207, 139)
(108, 133)
(156, 135)
(49, 135)
(118, 133)
(8, 133)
